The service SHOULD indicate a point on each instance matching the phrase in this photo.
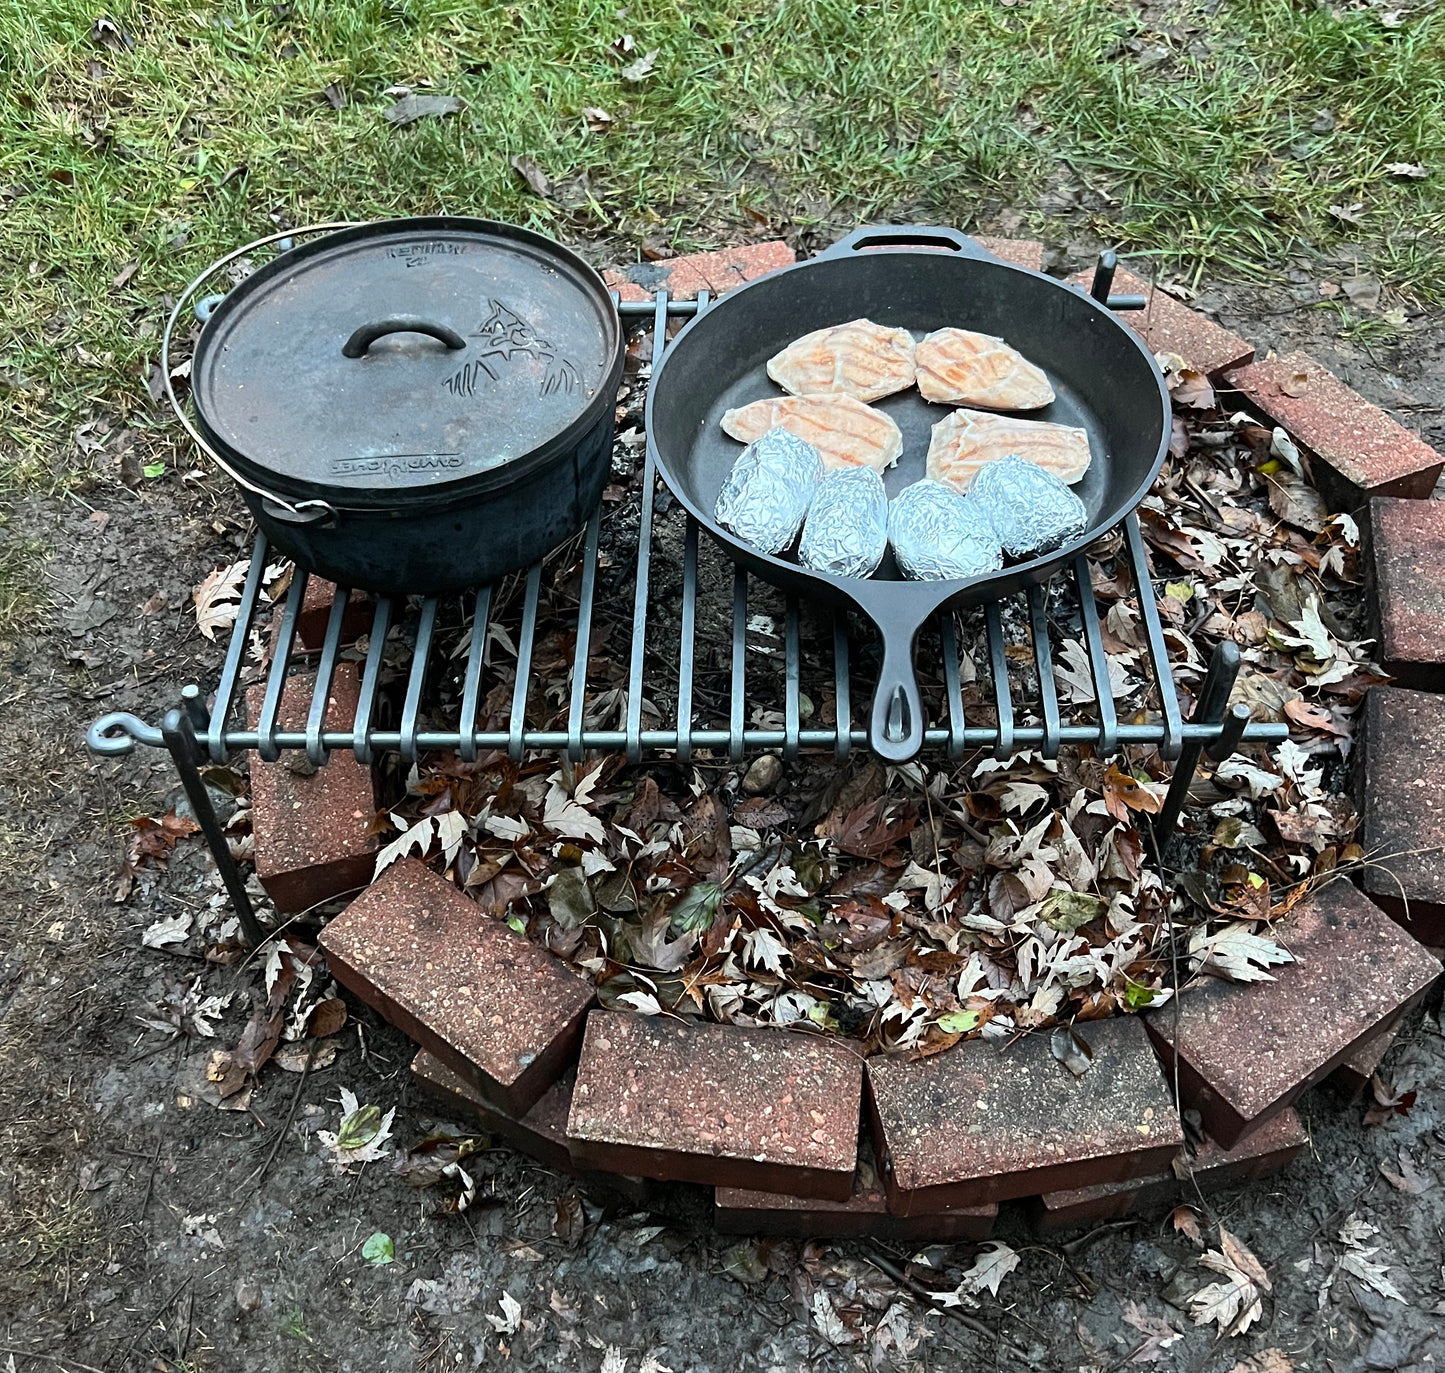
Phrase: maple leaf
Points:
(1123, 793)
(451, 830)
(1236, 953)
(510, 1321)
(362, 1136)
(989, 1269)
(1234, 1304)
(1357, 1262)
(1185, 1220)
(829, 1324)
(867, 832)
(764, 949)
(565, 816)
(1159, 1334)
(418, 837)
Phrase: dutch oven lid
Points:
(388, 360)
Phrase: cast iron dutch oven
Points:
(412, 405)
(921, 279)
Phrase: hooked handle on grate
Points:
(896, 728)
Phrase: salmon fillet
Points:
(845, 431)
(967, 439)
(859, 359)
(977, 369)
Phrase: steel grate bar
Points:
(115, 733)
(739, 704)
(1002, 692)
(577, 697)
(843, 706)
(363, 744)
(613, 740)
(235, 648)
(687, 643)
(269, 750)
(644, 560)
(952, 683)
(525, 644)
(792, 685)
(1154, 632)
(416, 678)
(325, 672)
(1044, 661)
(472, 685)
(1098, 658)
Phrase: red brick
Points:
(491, 1005)
(1022, 252)
(615, 280)
(1169, 326)
(1402, 804)
(541, 1134)
(982, 1124)
(1260, 1153)
(737, 1211)
(717, 1104)
(1354, 1074)
(684, 277)
(1407, 568)
(310, 826)
(1247, 1051)
(316, 612)
(1365, 451)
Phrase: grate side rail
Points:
(737, 726)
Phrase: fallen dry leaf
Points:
(218, 597)
(411, 108)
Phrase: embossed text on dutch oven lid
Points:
(409, 410)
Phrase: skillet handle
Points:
(895, 731)
(934, 236)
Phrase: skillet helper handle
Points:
(895, 731)
(364, 337)
(935, 236)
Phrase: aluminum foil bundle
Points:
(768, 492)
(937, 533)
(1031, 510)
(846, 531)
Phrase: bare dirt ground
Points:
(140, 1228)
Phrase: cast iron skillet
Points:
(1105, 378)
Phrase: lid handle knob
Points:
(364, 337)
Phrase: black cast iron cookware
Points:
(414, 405)
(921, 279)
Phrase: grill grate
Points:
(722, 667)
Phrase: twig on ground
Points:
(63, 1359)
(155, 1315)
(260, 1175)
(920, 1291)
(150, 1183)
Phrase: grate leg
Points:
(179, 736)
(1213, 699)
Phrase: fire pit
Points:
(719, 666)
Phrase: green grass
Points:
(1201, 142)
